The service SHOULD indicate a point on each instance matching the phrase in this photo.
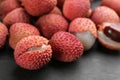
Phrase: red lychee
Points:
(52, 23)
(85, 30)
(76, 8)
(7, 6)
(32, 52)
(19, 31)
(3, 34)
(104, 14)
(66, 47)
(15, 16)
(114, 4)
(38, 7)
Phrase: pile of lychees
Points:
(61, 29)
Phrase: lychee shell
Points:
(32, 59)
(3, 34)
(66, 47)
(19, 31)
(51, 23)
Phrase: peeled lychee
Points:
(7, 6)
(19, 31)
(85, 30)
(38, 7)
(114, 4)
(52, 23)
(109, 35)
(3, 34)
(15, 16)
(104, 14)
(76, 8)
(66, 47)
(32, 52)
(56, 10)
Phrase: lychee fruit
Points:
(15, 16)
(66, 47)
(56, 10)
(104, 14)
(39, 7)
(115, 4)
(32, 52)
(76, 8)
(109, 35)
(51, 23)
(19, 31)
(85, 30)
(7, 6)
(3, 34)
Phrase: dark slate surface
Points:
(97, 64)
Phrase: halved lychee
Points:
(109, 35)
(32, 52)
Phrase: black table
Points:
(97, 64)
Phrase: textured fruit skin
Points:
(104, 14)
(19, 31)
(75, 8)
(115, 4)
(38, 7)
(33, 59)
(15, 16)
(8, 5)
(83, 25)
(52, 23)
(56, 10)
(3, 34)
(66, 47)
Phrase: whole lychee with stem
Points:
(7, 6)
(38, 7)
(104, 14)
(85, 29)
(32, 52)
(76, 8)
(66, 47)
(15, 16)
(19, 31)
(51, 23)
(3, 34)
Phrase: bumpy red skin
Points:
(3, 34)
(56, 10)
(52, 23)
(8, 5)
(19, 31)
(38, 7)
(83, 25)
(114, 4)
(76, 8)
(15, 16)
(66, 47)
(104, 14)
(35, 59)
